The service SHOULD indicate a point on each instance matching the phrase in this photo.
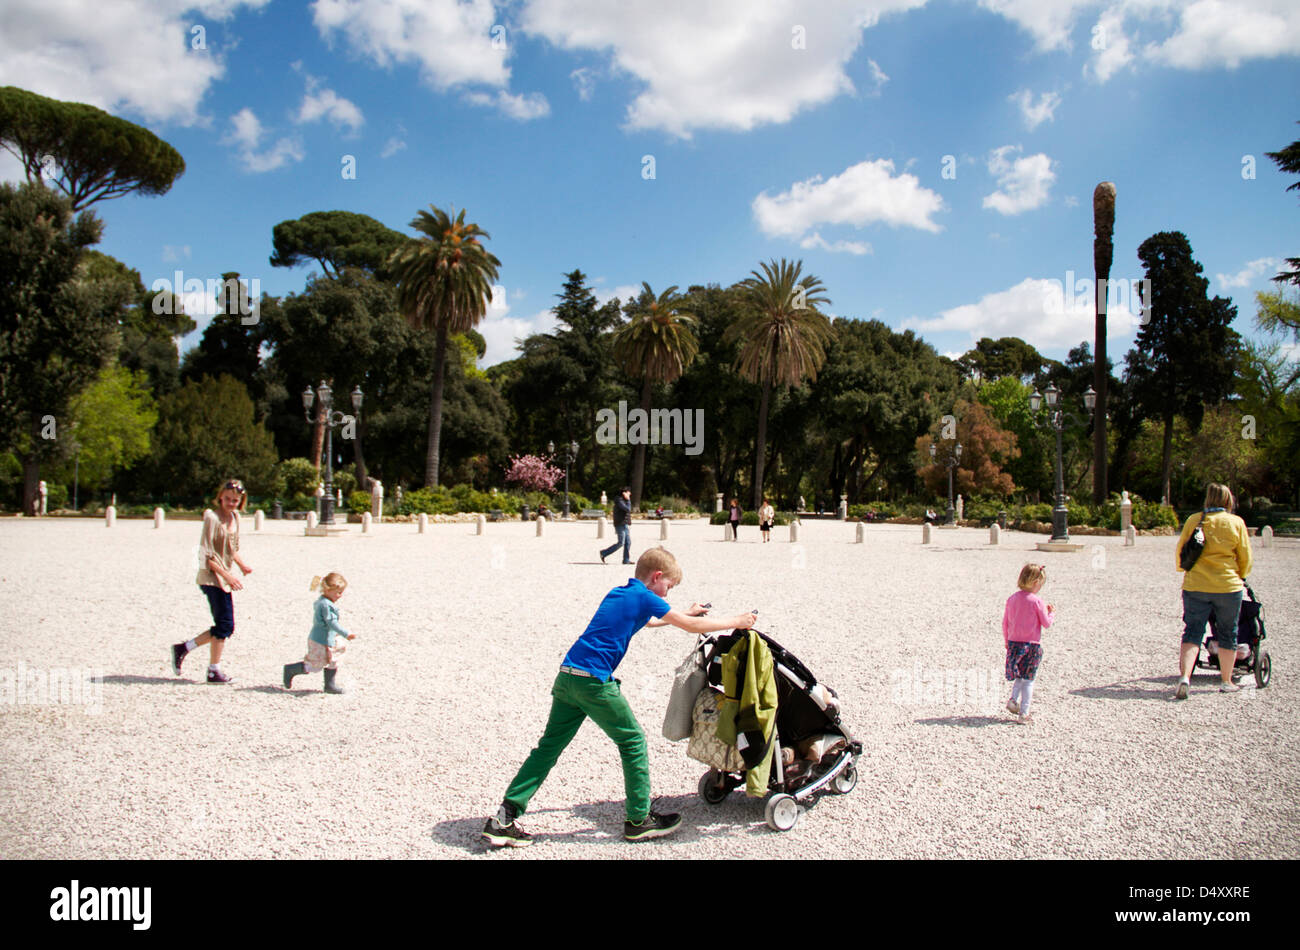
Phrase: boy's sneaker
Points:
(655, 825)
(218, 677)
(506, 836)
(1180, 692)
(178, 657)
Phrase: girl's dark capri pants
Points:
(1199, 607)
(223, 610)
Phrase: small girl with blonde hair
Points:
(1022, 624)
(325, 643)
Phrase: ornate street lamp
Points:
(570, 456)
(953, 458)
(333, 418)
(1057, 419)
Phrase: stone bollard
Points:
(110, 515)
(1130, 536)
(480, 524)
(663, 529)
(862, 533)
(541, 525)
(258, 518)
(1125, 513)
(311, 520)
(423, 522)
(159, 516)
(794, 530)
(1266, 534)
(925, 533)
(726, 531)
(366, 519)
(600, 528)
(995, 533)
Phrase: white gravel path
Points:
(460, 637)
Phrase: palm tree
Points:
(444, 281)
(782, 336)
(656, 345)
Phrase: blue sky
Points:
(932, 162)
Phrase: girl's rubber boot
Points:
(290, 671)
(330, 685)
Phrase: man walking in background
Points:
(622, 527)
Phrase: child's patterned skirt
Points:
(321, 657)
(1023, 659)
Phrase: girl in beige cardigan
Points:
(218, 553)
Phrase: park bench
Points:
(594, 513)
(496, 514)
(297, 515)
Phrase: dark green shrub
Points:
(299, 477)
(359, 502)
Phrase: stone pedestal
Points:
(1060, 547)
(961, 509)
(377, 500)
(717, 502)
(842, 511)
(1125, 512)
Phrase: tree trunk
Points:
(639, 452)
(318, 436)
(1103, 252)
(1166, 459)
(360, 455)
(435, 410)
(32, 469)
(762, 444)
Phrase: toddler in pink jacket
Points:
(1022, 624)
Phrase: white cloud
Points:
(320, 102)
(852, 247)
(129, 56)
(624, 292)
(584, 81)
(247, 134)
(863, 194)
(173, 253)
(500, 331)
(1049, 21)
(728, 64)
(1250, 273)
(878, 77)
(392, 147)
(1230, 32)
(1040, 312)
(522, 107)
(1111, 43)
(1023, 184)
(450, 40)
(1036, 113)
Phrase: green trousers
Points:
(573, 699)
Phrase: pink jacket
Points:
(1024, 617)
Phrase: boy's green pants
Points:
(573, 699)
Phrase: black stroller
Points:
(808, 717)
(1250, 635)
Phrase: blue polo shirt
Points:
(622, 613)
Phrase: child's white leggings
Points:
(1022, 691)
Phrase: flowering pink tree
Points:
(533, 473)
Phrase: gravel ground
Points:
(459, 638)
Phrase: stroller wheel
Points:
(1263, 669)
(845, 782)
(712, 787)
(782, 812)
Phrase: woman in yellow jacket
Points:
(1214, 585)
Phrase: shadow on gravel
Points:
(969, 722)
(128, 679)
(1131, 689)
(604, 825)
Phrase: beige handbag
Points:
(705, 746)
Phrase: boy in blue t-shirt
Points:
(585, 687)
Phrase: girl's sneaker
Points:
(1181, 691)
(218, 677)
(1229, 688)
